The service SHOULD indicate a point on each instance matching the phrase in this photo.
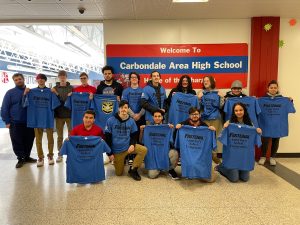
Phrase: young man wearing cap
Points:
(109, 86)
(236, 90)
(121, 136)
(41, 80)
(85, 87)
(62, 114)
(15, 118)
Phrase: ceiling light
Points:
(76, 48)
(184, 1)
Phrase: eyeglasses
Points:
(133, 78)
(195, 114)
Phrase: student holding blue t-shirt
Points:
(40, 103)
(121, 136)
(211, 101)
(240, 117)
(273, 120)
(158, 138)
(194, 120)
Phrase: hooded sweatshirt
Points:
(114, 89)
(120, 134)
(63, 91)
(153, 98)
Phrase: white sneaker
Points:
(272, 162)
(40, 162)
(59, 159)
(262, 160)
(50, 160)
(106, 160)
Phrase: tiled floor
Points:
(32, 195)
(291, 163)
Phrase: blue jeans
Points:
(234, 175)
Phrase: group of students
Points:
(148, 124)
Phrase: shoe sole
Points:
(174, 178)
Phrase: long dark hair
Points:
(189, 87)
(212, 82)
(246, 118)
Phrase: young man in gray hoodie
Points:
(62, 114)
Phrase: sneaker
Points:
(215, 158)
(59, 159)
(272, 161)
(134, 174)
(40, 162)
(20, 163)
(30, 160)
(50, 160)
(179, 162)
(130, 162)
(173, 174)
(106, 160)
(262, 160)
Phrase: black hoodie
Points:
(133, 136)
(146, 105)
(63, 91)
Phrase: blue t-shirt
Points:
(120, 132)
(210, 103)
(157, 139)
(85, 159)
(238, 146)
(180, 105)
(149, 95)
(78, 103)
(105, 107)
(273, 119)
(251, 104)
(196, 145)
(40, 103)
(133, 97)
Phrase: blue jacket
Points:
(153, 98)
(12, 110)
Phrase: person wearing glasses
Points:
(195, 121)
(133, 96)
(85, 87)
(236, 90)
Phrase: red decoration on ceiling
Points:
(292, 22)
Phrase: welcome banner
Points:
(225, 62)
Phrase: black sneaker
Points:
(20, 163)
(134, 174)
(173, 174)
(30, 160)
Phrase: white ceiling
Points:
(57, 10)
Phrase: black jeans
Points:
(22, 139)
(265, 144)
